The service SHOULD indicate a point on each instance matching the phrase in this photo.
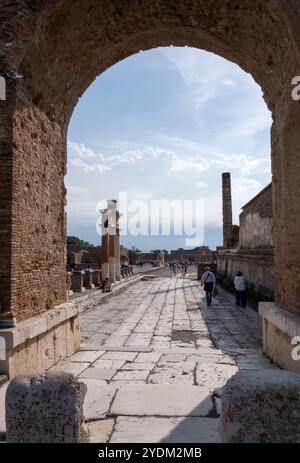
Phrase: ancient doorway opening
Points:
(163, 125)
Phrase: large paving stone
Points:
(162, 400)
(131, 375)
(165, 430)
(118, 355)
(98, 399)
(213, 375)
(98, 373)
(75, 368)
(111, 364)
(86, 356)
(138, 366)
(100, 431)
(45, 408)
(262, 406)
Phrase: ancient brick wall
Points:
(38, 244)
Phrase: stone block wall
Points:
(258, 270)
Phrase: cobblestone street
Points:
(155, 357)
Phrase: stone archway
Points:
(59, 47)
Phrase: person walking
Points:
(183, 270)
(240, 290)
(208, 279)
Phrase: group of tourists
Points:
(208, 280)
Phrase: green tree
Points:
(76, 240)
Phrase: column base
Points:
(40, 342)
(280, 327)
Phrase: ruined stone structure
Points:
(135, 257)
(254, 253)
(79, 254)
(199, 254)
(51, 51)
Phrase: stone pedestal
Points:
(261, 407)
(40, 342)
(69, 283)
(77, 282)
(96, 277)
(280, 328)
(45, 408)
(88, 280)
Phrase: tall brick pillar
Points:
(111, 259)
(227, 210)
(105, 252)
(32, 201)
(7, 162)
(117, 252)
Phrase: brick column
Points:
(32, 200)
(111, 259)
(117, 255)
(7, 161)
(227, 210)
(105, 256)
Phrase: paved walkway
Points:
(155, 358)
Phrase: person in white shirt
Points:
(240, 290)
(208, 279)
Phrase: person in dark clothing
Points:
(240, 290)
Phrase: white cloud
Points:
(88, 168)
(245, 165)
(180, 164)
(201, 185)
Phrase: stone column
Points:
(111, 259)
(227, 209)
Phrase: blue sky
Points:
(165, 124)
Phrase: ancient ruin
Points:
(50, 52)
(248, 247)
